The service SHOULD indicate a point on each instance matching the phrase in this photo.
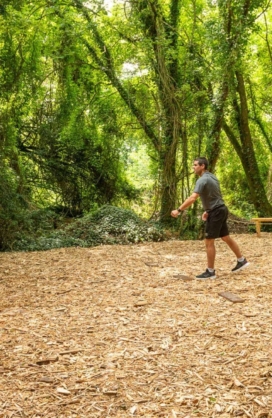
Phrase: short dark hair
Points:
(202, 161)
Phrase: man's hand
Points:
(205, 216)
(175, 213)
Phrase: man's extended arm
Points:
(188, 202)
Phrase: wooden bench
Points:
(258, 222)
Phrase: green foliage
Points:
(12, 206)
(66, 137)
(21, 227)
(234, 185)
(101, 107)
(108, 225)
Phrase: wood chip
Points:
(46, 379)
(63, 391)
(183, 277)
(93, 352)
(140, 303)
(237, 383)
(110, 392)
(47, 360)
(230, 296)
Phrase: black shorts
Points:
(216, 224)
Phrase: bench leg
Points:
(258, 228)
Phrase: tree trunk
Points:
(168, 182)
(245, 150)
(213, 150)
(167, 79)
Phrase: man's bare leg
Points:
(210, 250)
(233, 245)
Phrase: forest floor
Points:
(124, 331)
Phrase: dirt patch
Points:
(121, 331)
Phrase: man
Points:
(216, 213)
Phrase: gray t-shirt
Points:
(208, 188)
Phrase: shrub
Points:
(108, 225)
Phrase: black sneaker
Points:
(241, 265)
(206, 275)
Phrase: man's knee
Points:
(226, 238)
(209, 242)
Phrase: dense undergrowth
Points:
(108, 225)
(40, 230)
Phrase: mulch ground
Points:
(123, 331)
